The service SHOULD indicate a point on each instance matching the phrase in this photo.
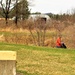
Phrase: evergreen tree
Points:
(22, 10)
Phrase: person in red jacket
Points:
(58, 42)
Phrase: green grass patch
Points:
(35, 60)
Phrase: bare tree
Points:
(40, 26)
(6, 5)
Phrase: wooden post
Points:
(7, 63)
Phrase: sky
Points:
(52, 6)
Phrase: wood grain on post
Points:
(7, 63)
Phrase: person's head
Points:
(59, 36)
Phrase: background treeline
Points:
(63, 16)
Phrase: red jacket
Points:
(58, 41)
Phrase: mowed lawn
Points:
(32, 60)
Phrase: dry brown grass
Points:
(69, 34)
(23, 36)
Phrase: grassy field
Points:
(32, 60)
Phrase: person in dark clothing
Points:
(63, 45)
